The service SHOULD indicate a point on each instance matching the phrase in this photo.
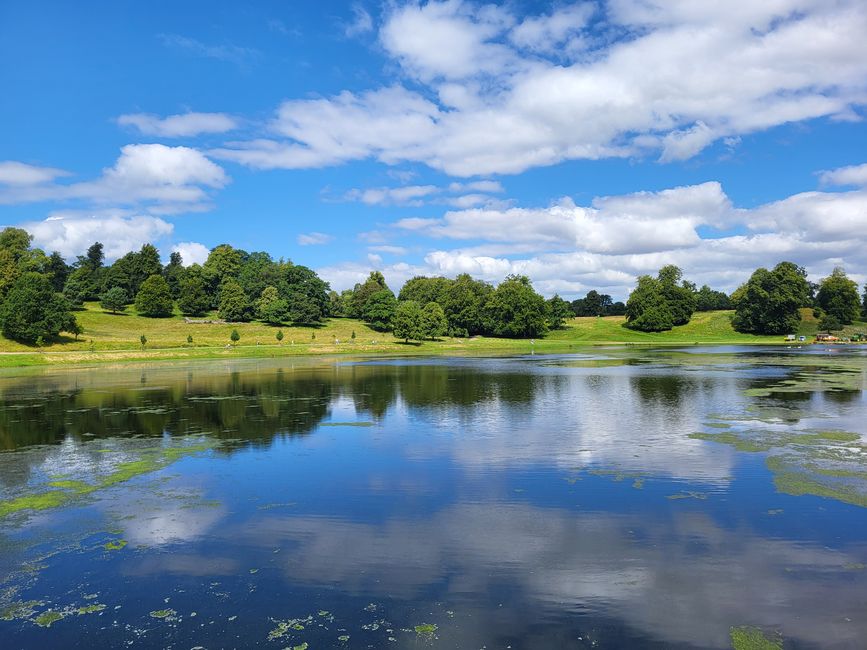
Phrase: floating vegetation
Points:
(283, 628)
(343, 638)
(115, 544)
(67, 490)
(426, 629)
(19, 610)
(687, 495)
(752, 638)
(163, 613)
(90, 609)
(47, 619)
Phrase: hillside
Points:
(110, 337)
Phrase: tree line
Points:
(39, 294)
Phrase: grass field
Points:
(115, 337)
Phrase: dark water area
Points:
(622, 499)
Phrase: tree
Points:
(379, 310)
(463, 303)
(678, 293)
(769, 302)
(279, 335)
(234, 305)
(558, 312)
(423, 290)
(407, 321)
(864, 304)
(193, 300)
(58, 270)
(113, 300)
(271, 308)
(515, 310)
(647, 310)
(433, 322)
(74, 292)
(189, 339)
(363, 292)
(173, 273)
(709, 300)
(838, 297)
(223, 263)
(306, 293)
(302, 309)
(154, 299)
(143, 340)
(830, 323)
(94, 257)
(593, 304)
(33, 310)
(235, 337)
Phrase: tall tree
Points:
(95, 256)
(379, 310)
(423, 290)
(361, 294)
(515, 310)
(558, 312)
(234, 305)
(58, 270)
(838, 297)
(433, 321)
(463, 303)
(769, 302)
(407, 321)
(154, 299)
(173, 272)
(647, 310)
(193, 300)
(32, 310)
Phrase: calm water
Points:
(640, 499)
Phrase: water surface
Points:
(626, 498)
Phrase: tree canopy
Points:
(838, 297)
(769, 302)
(33, 311)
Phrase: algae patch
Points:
(47, 619)
(115, 545)
(426, 629)
(752, 638)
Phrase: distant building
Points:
(826, 336)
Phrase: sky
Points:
(581, 144)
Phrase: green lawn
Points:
(115, 337)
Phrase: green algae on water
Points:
(90, 609)
(115, 545)
(46, 619)
(163, 613)
(752, 638)
(19, 610)
(426, 629)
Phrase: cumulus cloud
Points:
(119, 234)
(178, 126)
(191, 252)
(17, 173)
(683, 78)
(314, 238)
(172, 179)
(852, 175)
(568, 249)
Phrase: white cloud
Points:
(17, 173)
(119, 234)
(361, 22)
(852, 175)
(314, 239)
(407, 195)
(192, 252)
(178, 126)
(569, 249)
(171, 178)
(224, 52)
(550, 32)
(418, 195)
(685, 77)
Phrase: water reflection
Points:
(523, 502)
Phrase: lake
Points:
(623, 498)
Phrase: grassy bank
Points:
(115, 337)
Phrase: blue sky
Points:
(578, 143)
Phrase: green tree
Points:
(559, 311)
(647, 310)
(234, 305)
(593, 304)
(235, 337)
(279, 335)
(32, 310)
(189, 339)
(58, 270)
(864, 304)
(193, 300)
(678, 293)
(709, 300)
(154, 299)
(433, 321)
(143, 340)
(271, 308)
(223, 263)
(306, 293)
(407, 321)
(95, 256)
(515, 310)
(74, 291)
(769, 302)
(830, 323)
(838, 297)
(379, 310)
(423, 290)
(173, 273)
(113, 300)
(363, 292)
(463, 303)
